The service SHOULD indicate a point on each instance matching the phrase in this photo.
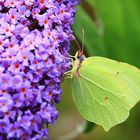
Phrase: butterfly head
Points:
(80, 56)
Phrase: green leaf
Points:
(93, 40)
(89, 126)
(121, 23)
(105, 90)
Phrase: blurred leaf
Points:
(93, 39)
(89, 126)
(121, 21)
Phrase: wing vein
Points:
(81, 92)
(92, 94)
(121, 99)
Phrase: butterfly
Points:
(104, 90)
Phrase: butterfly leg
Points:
(67, 74)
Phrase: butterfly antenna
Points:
(77, 43)
(83, 41)
(73, 49)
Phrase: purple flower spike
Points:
(34, 43)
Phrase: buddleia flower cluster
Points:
(34, 43)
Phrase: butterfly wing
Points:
(106, 90)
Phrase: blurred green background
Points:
(112, 29)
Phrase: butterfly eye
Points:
(80, 53)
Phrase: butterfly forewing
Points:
(106, 90)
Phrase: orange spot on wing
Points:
(106, 98)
